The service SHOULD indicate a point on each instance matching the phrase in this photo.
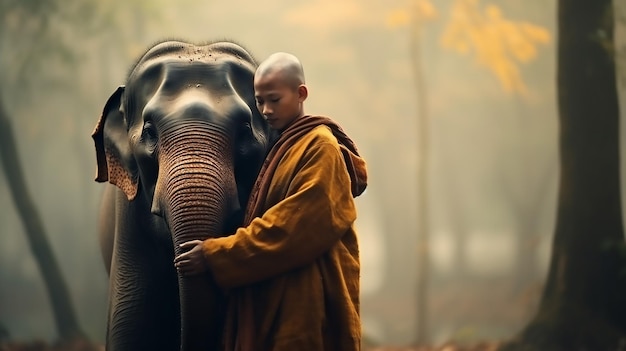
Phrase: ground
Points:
(81, 345)
(484, 346)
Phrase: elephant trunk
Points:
(196, 190)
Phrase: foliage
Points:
(38, 39)
(497, 43)
(42, 43)
(32, 38)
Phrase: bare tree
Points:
(64, 315)
(582, 307)
(31, 36)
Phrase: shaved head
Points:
(283, 66)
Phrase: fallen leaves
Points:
(482, 346)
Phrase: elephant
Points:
(180, 144)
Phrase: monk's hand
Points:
(192, 261)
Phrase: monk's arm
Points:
(318, 210)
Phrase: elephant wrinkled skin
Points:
(182, 143)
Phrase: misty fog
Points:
(492, 164)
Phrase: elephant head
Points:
(183, 141)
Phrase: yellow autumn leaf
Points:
(537, 33)
(520, 47)
(497, 43)
(398, 18)
(509, 76)
(493, 13)
(425, 9)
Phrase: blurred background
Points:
(458, 124)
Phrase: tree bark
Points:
(582, 306)
(423, 170)
(65, 318)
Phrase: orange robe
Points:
(293, 271)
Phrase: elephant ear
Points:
(114, 158)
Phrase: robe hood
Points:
(355, 164)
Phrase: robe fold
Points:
(292, 272)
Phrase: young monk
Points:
(292, 271)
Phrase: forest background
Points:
(491, 166)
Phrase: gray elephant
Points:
(182, 142)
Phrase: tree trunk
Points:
(582, 306)
(423, 168)
(65, 318)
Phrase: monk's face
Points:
(277, 100)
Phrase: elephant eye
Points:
(149, 135)
(244, 126)
(244, 132)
